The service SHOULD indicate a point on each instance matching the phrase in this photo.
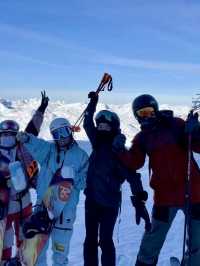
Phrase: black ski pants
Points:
(99, 224)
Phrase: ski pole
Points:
(106, 82)
(187, 224)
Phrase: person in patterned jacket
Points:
(15, 206)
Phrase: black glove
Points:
(192, 124)
(93, 96)
(118, 144)
(138, 202)
(44, 102)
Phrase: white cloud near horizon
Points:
(147, 64)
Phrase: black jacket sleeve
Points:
(35, 123)
(133, 178)
(88, 122)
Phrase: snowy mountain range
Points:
(22, 110)
(127, 234)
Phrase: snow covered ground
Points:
(127, 234)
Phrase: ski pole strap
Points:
(106, 82)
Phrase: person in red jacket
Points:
(164, 139)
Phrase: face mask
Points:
(148, 122)
(8, 141)
(104, 136)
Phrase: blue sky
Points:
(65, 47)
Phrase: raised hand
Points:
(44, 102)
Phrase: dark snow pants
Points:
(99, 224)
(152, 242)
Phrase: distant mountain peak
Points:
(6, 103)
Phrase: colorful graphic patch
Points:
(64, 190)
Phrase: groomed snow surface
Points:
(127, 234)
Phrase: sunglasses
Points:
(146, 112)
(61, 133)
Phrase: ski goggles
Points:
(9, 125)
(61, 133)
(106, 116)
(146, 112)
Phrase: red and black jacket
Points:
(166, 145)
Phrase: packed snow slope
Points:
(127, 234)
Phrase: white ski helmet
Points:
(60, 123)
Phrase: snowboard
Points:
(31, 249)
(59, 192)
(174, 261)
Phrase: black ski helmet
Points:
(106, 116)
(144, 100)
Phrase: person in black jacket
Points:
(104, 179)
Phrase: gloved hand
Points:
(118, 144)
(22, 137)
(93, 96)
(138, 202)
(44, 102)
(192, 123)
